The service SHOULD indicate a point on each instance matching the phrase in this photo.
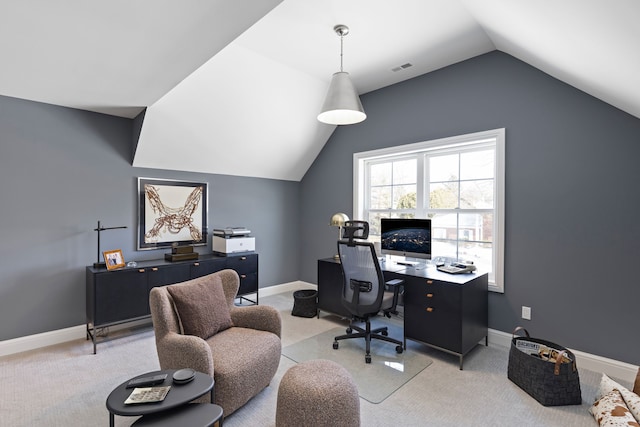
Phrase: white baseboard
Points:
(45, 339)
(286, 287)
(613, 368)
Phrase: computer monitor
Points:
(408, 237)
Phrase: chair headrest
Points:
(355, 230)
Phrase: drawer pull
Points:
(429, 282)
(243, 276)
(141, 270)
(196, 264)
(429, 309)
(154, 269)
(429, 295)
(243, 258)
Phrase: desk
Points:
(448, 312)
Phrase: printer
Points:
(233, 239)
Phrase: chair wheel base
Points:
(335, 345)
(367, 359)
(399, 349)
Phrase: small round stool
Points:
(319, 393)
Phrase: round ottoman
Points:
(319, 393)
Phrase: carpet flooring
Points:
(67, 386)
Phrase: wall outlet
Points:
(526, 312)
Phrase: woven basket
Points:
(304, 303)
(551, 384)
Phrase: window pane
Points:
(404, 172)
(445, 248)
(443, 196)
(444, 226)
(444, 168)
(404, 197)
(476, 227)
(380, 198)
(404, 215)
(476, 194)
(476, 165)
(380, 174)
(374, 222)
(478, 253)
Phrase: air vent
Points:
(402, 67)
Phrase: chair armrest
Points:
(260, 317)
(177, 351)
(397, 286)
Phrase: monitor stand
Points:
(418, 265)
(409, 263)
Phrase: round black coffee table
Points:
(180, 394)
(192, 415)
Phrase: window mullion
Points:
(422, 187)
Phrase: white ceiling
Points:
(234, 87)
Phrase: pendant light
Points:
(342, 105)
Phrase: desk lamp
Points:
(98, 263)
(338, 220)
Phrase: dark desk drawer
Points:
(434, 308)
(248, 284)
(243, 264)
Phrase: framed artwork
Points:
(113, 259)
(171, 212)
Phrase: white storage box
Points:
(233, 244)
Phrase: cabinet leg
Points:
(91, 334)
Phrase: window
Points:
(458, 182)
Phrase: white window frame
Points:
(495, 135)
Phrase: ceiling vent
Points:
(402, 67)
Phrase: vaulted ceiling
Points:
(234, 87)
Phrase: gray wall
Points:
(62, 170)
(572, 231)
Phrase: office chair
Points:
(364, 292)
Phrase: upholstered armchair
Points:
(198, 326)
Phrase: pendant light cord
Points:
(341, 40)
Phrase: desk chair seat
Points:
(364, 291)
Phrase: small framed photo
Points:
(113, 259)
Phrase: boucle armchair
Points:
(198, 326)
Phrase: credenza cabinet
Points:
(444, 311)
(119, 296)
